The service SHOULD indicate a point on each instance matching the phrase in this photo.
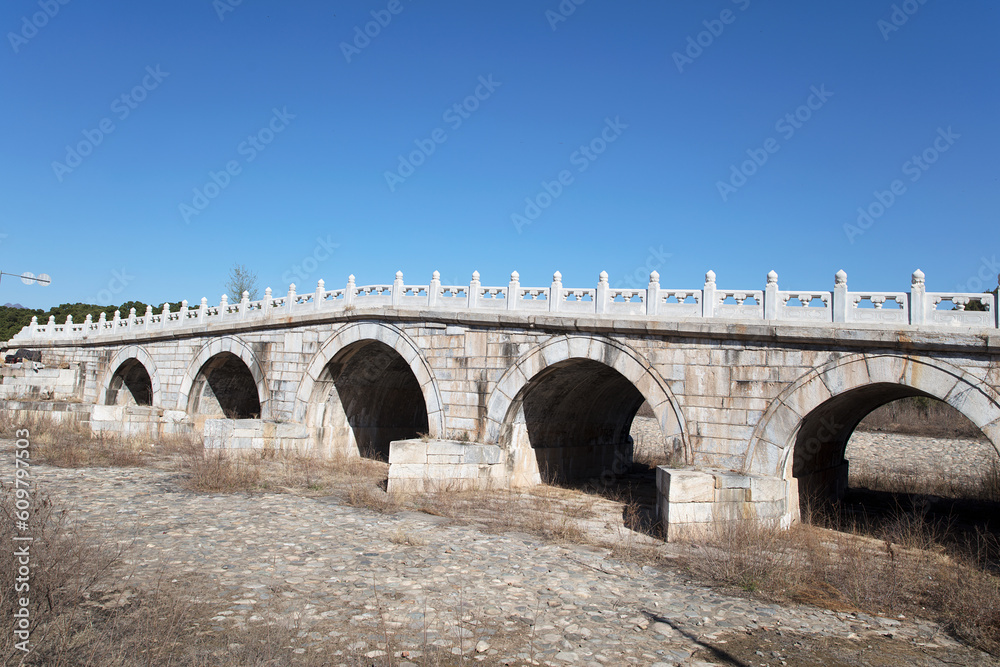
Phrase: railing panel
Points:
(879, 307)
(805, 311)
(959, 315)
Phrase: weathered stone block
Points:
(767, 489)
(405, 452)
(732, 495)
(110, 413)
(690, 512)
(685, 486)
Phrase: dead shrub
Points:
(219, 472)
(911, 567)
(70, 443)
(750, 554)
(66, 564)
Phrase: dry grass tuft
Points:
(71, 444)
(910, 569)
(218, 472)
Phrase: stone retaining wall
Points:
(125, 420)
(444, 465)
(690, 502)
(245, 436)
(33, 382)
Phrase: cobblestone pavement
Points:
(917, 456)
(349, 578)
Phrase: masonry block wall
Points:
(758, 398)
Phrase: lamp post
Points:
(29, 278)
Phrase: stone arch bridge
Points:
(757, 391)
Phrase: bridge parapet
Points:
(893, 309)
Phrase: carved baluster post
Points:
(397, 289)
(653, 294)
(434, 290)
(771, 296)
(102, 323)
(708, 296)
(918, 298)
(68, 328)
(268, 305)
(244, 304)
(320, 293)
(148, 320)
(290, 300)
(183, 316)
(841, 305)
(223, 306)
(33, 327)
(555, 292)
(349, 292)
(116, 321)
(52, 326)
(474, 290)
(88, 324)
(203, 310)
(601, 295)
(132, 319)
(513, 289)
(165, 315)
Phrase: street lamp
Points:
(29, 278)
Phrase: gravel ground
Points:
(917, 456)
(348, 577)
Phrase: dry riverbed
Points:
(406, 587)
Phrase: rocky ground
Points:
(917, 456)
(357, 584)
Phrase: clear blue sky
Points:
(678, 125)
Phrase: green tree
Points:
(977, 306)
(241, 279)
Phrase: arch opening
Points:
(573, 425)
(366, 397)
(886, 456)
(818, 462)
(225, 387)
(130, 385)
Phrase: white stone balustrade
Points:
(838, 306)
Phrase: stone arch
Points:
(123, 356)
(234, 346)
(387, 334)
(817, 413)
(504, 406)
